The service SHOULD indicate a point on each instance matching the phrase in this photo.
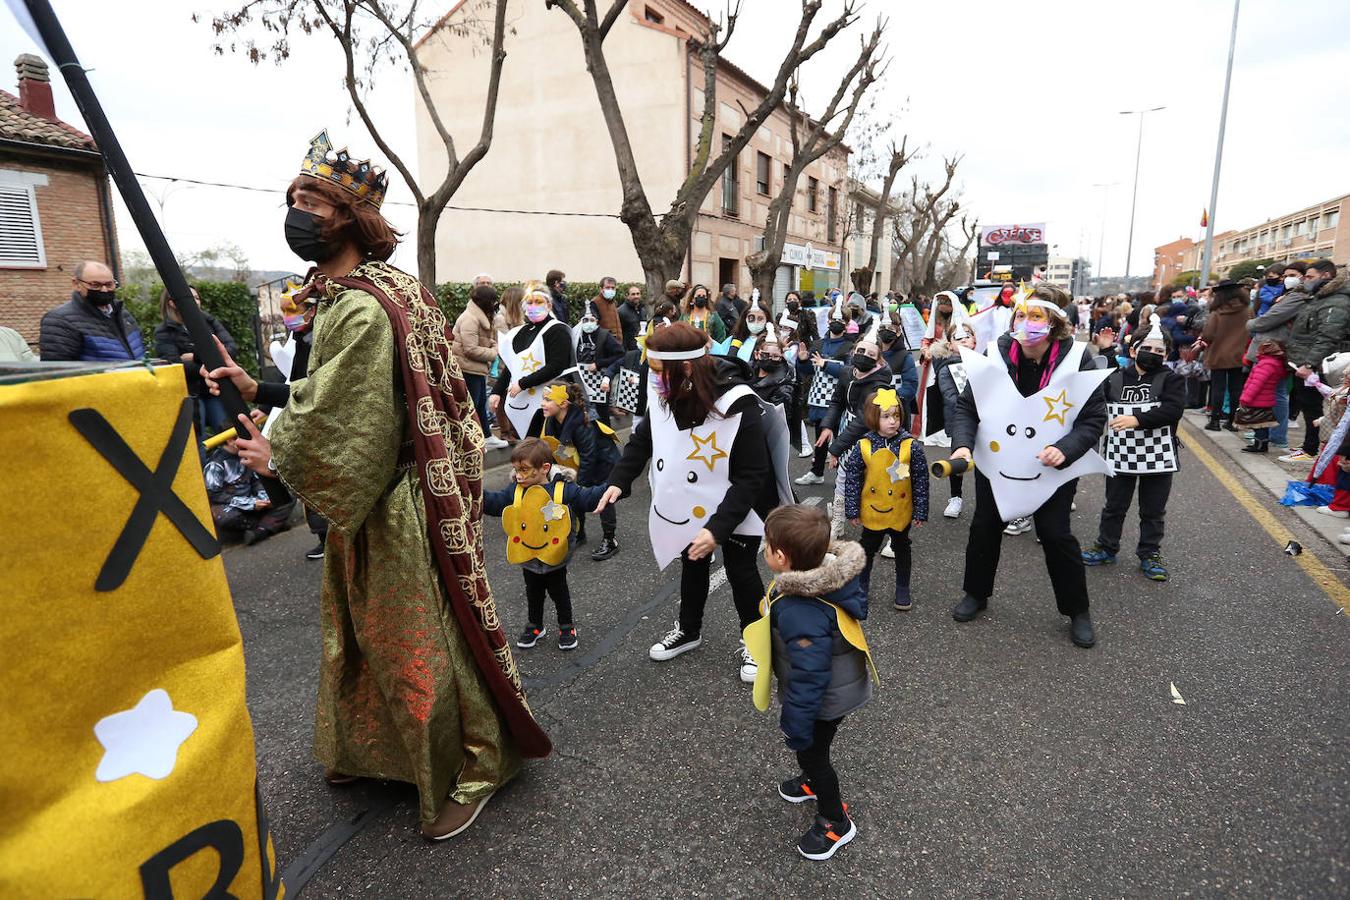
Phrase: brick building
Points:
(1170, 260)
(55, 205)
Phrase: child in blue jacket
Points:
(819, 658)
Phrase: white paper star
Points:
(552, 511)
(144, 739)
(898, 471)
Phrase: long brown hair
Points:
(693, 393)
(353, 219)
(511, 312)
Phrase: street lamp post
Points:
(1101, 233)
(1139, 146)
(1218, 152)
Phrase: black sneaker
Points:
(567, 638)
(673, 644)
(796, 790)
(608, 547)
(316, 553)
(825, 837)
(254, 535)
(530, 636)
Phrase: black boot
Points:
(1229, 426)
(608, 547)
(1081, 631)
(1213, 424)
(968, 608)
(1257, 446)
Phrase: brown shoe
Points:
(336, 778)
(454, 818)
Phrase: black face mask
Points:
(863, 363)
(701, 302)
(100, 298)
(771, 365)
(836, 328)
(1273, 279)
(1312, 287)
(793, 305)
(1148, 361)
(886, 335)
(304, 239)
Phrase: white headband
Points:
(1045, 304)
(678, 354)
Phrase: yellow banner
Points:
(128, 764)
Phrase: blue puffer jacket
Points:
(77, 330)
(820, 674)
(1182, 336)
(1266, 296)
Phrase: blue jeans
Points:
(1279, 435)
(477, 385)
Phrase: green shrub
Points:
(229, 301)
(453, 296)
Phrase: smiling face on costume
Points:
(537, 528)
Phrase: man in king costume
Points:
(416, 683)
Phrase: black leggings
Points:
(740, 556)
(818, 772)
(818, 461)
(956, 484)
(871, 543)
(555, 585)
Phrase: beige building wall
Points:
(1318, 231)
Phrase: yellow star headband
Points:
(886, 398)
(1024, 299)
(557, 393)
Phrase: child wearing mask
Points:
(886, 488)
(1144, 405)
(539, 511)
(950, 374)
(596, 350)
(826, 363)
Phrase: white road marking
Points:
(1176, 695)
(811, 501)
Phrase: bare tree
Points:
(662, 245)
(806, 149)
(919, 231)
(372, 34)
(863, 275)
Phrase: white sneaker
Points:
(1334, 513)
(749, 668)
(806, 452)
(887, 550)
(1018, 526)
(953, 510)
(1344, 537)
(1298, 456)
(673, 644)
(492, 442)
(809, 478)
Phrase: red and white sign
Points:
(997, 235)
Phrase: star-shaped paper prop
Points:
(528, 363)
(701, 450)
(1059, 407)
(144, 739)
(898, 471)
(552, 511)
(556, 392)
(886, 398)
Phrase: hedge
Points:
(453, 296)
(229, 301)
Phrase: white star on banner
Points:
(144, 739)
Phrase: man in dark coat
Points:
(92, 325)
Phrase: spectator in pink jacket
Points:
(1259, 391)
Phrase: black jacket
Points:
(557, 356)
(78, 331)
(850, 394)
(1087, 428)
(775, 387)
(596, 451)
(753, 485)
(172, 341)
(730, 310)
(599, 347)
(630, 320)
(1171, 396)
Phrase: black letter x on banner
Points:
(156, 493)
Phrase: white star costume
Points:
(1013, 429)
(521, 408)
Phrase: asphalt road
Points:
(996, 760)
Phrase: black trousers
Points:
(318, 525)
(794, 415)
(740, 556)
(935, 414)
(609, 522)
(818, 461)
(1153, 493)
(1225, 383)
(818, 772)
(871, 543)
(554, 583)
(956, 481)
(1063, 555)
(1310, 404)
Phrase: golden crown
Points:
(367, 182)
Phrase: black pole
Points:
(63, 54)
(204, 344)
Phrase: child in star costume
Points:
(538, 512)
(1144, 404)
(886, 488)
(588, 447)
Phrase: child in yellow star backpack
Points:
(587, 446)
(539, 509)
(886, 488)
(809, 637)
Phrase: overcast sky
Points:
(1029, 92)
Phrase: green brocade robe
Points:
(400, 696)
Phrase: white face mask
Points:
(1292, 282)
(754, 327)
(607, 293)
(589, 326)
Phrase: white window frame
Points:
(31, 192)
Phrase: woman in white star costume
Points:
(712, 479)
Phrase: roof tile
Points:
(18, 124)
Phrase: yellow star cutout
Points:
(1058, 407)
(528, 363)
(701, 452)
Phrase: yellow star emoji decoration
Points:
(898, 471)
(528, 363)
(552, 511)
(700, 452)
(557, 393)
(1059, 407)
